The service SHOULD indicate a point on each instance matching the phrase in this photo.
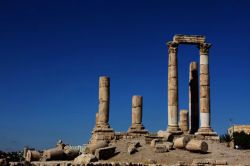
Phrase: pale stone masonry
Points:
(189, 39)
(102, 130)
(199, 98)
(205, 128)
(137, 126)
(173, 89)
(103, 113)
(205, 117)
(184, 121)
(193, 98)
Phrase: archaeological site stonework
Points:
(188, 129)
(205, 117)
(195, 120)
(137, 126)
(102, 129)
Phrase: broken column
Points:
(137, 126)
(205, 128)
(173, 89)
(102, 130)
(193, 98)
(103, 114)
(183, 124)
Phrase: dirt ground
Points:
(216, 151)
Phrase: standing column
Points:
(136, 110)
(193, 98)
(103, 114)
(137, 126)
(173, 89)
(184, 120)
(205, 128)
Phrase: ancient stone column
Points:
(205, 128)
(173, 88)
(102, 130)
(137, 126)
(136, 110)
(193, 98)
(183, 124)
(96, 119)
(103, 113)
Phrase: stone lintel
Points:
(189, 39)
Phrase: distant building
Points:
(238, 128)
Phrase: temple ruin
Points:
(199, 102)
(102, 130)
(205, 117)
(188, 132)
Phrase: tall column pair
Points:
(193, 90)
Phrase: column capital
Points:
(204, 48)
(172, 47)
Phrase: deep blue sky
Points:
(52, 53)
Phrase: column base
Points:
(102, 132)
(138, 129)
(174, 130)
(207, 133)
(193, 131)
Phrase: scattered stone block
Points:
(53, 154)
(181, 163)
(105, 153)
(160, 148)
(166, 135)
(136, 144)
(132, 149)
(181, 142)
(71, 153)
(85, 159)
(90, 149)
(201, 162)
(221, 162)
(60, 145)
(32, 155)
(150, 161)
(169, 145)
(197, 146)
(154, 142)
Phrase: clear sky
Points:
(52, 53)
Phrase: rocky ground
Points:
(145, 154)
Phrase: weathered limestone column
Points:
(103, 113)
(137, 126)
(173, 88)
(184, 120)
(136, 110)
(102, 130)
(205, 128)
(96, 119)
(193, 98)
